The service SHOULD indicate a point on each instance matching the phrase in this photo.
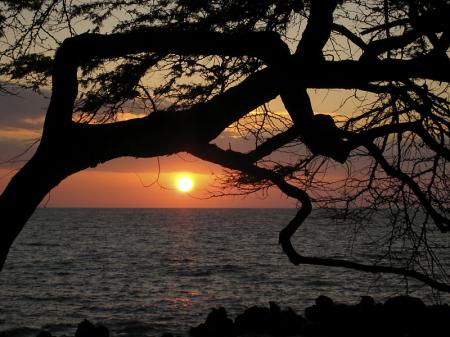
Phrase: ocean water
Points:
(142, 272)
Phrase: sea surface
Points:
(143, 272)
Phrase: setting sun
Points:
(185, 184)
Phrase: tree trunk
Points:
(24, 193)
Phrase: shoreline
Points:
(397, 316)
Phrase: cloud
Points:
(24, 109)
(21, 120)
(34, 121)
(19, 134)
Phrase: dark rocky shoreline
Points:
(398, 316)
(401, 316)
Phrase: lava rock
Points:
(44, 334)
(254, 320)
(286, 323)
(87, 329)
(217, 324)
(101, 331)
(321, 311)
(272, 321)
(403, 314)
(324, 302)
(437, 318)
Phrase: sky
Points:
(127, 182)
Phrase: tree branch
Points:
(330, 262)
(378, 47)
(85, 47)
(273, 144)
(317, 31)
(344, 31)
(441, 222)
(318, 132)
(353, 74)
(238, 161)
(267, 46)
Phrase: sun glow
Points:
(185, 184)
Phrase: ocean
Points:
(143, 272)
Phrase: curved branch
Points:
(82, 48)
(319, 261)
(267, 46)
(239, 161)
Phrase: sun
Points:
(185, 184)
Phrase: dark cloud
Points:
(26, 109)
(21, 118)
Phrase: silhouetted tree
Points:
(216, 63)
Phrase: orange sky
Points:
(99, 188)
(121, 182)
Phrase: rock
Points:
(349, 320)
(272, 321)
(367, 304)
(101, 331)
(287, 323)
(44, 333)
(405, 304)
(274, 308)
(437, 318)
(364, 318)
(329, 318)
(87, 329)
(399, 316)
(324, 301)
(254, 320)
(217, 324)
(403, 311)
(321, 311)
(312, 313)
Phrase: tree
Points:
(217, 62)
